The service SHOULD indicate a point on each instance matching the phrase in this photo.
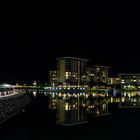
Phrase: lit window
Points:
(66, 106)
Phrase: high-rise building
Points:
(70, 70)
(98, 74)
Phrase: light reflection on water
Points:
(130, 99)
(72, 108)
(127, 99)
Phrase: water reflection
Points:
(98, 106)
(74, 108)
(130, 99)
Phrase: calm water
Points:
(74, 108)
(76, 116)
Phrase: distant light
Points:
(34, 93)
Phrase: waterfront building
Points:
(53, 77)
(90, 74)
(130, 79)
(113, 81)
(98, 74)
(70, 70)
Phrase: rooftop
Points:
(133, 74)
(99, 66)
(72, 58)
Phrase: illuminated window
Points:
(66, 106)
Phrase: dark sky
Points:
(105, 33)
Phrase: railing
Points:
(9, 93)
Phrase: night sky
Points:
(107, 35)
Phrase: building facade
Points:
(130, 79)
(70, 70)
(113, 81)
(98, 74)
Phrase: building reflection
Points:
(75, 108)
(98, 106)
(130, 99)
(127, 99)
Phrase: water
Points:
(74, 108)
(75, 116)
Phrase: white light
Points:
(34, 93)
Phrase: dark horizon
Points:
(105, 37)
(33, 63)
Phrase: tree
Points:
(91, 83)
